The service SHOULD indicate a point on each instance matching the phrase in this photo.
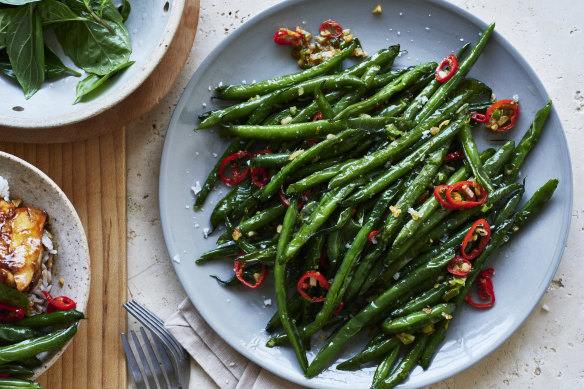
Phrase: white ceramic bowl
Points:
(152, 25)
(72, 259)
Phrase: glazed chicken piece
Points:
(21, 248)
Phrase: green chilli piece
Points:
(242, 92)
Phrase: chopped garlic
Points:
(286, 120)
(331, 136)
(395, 210)
(279, 228)
(414, 213)
(377, 10)
(295, 154)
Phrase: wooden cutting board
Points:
(92, 174)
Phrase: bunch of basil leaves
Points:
(91, 33)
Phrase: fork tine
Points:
(158, 375)
(166, 363)
(133, 364)
(150, 320)
(157, 330)
(145, 366)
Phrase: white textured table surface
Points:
(547, 350)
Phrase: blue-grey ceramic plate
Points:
(428, 30)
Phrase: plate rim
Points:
(464, 14)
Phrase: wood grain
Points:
(92, 174)
(142, 100)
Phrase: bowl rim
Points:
(82, 305)
(117, 95)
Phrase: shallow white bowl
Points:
(72, 259)
(152, 25)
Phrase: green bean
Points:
(227, 250)
(262, 218)
(434, 340)
(471, 154)
(316, 167)
(233, 199)
(264, 108)
(418, 320)
(278, 179)
(294, 305)
(394, 109)
(387, 91)
(30, 362)
(12, 334)
(323, 105)
(427, 298)
(407, 163)
(263, 255)
(373, 309)
(385, 367)
(380, 157)
(402, 371)
(213, 176)
(16, 370)
(327, 206)
(13, 383)
(308, 112)
(31, 347)
(276, 160)
(446, 88)
(411, 193)
(242, 92)
(282, 287)
(317, 178)
(317, 129)
(527, 143)
(241, 241)
(370, 353)
(422, 98)
(48, 319)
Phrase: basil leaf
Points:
(53, 11)
(125, 9)
(18, 2)
(54, 67)
(5, 67)
(5, 19)
(24, 45)
(92, 46)
(94, 81)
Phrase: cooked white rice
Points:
(38, 302)
(4, 190)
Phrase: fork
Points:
(173, 374)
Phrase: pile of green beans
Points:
(350, 195)
(22, 341)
